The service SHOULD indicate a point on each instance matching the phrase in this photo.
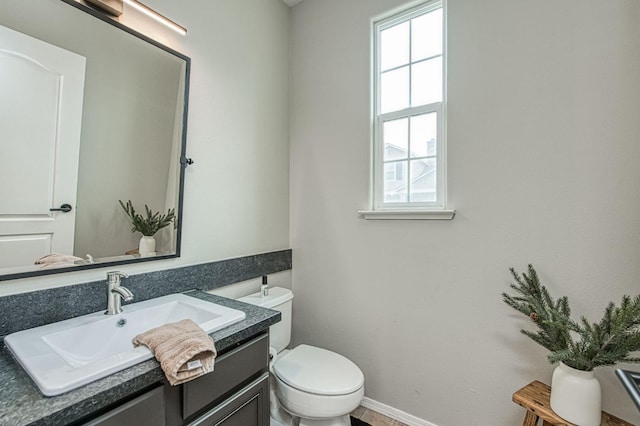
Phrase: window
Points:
(409, 149)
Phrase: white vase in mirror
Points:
(147, 246)
(576, 395)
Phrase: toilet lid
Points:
(318, 371)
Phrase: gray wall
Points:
(543, 149)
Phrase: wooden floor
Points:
(374, 418)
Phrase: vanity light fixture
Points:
(156, 16)
(112, 7)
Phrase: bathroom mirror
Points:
(123, 100)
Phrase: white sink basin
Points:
(65, 355)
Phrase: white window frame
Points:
(409, 210)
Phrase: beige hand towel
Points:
(183, 349)
(57, 260)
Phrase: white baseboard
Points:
(394, 413)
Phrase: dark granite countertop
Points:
(21, 403)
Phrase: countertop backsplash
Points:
(33, 309)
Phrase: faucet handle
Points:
(114, 277)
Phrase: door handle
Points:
(65, 208)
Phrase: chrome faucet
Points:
(115, 292)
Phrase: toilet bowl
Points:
(314, 383)
(311, 386)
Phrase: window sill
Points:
(407, 214)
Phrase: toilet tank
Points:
(279, 299)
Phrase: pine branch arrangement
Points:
(596, 344)
(151, 223)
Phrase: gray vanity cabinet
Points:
(236, 393)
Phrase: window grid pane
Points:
(426, 82)
(423, 181)
(395, 90)
(396, 139)
(423, 135)
(427, 29)
(395, 182)
(394, 46)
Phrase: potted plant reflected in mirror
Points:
(147, 225)
(579, 346)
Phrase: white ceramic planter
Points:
(576, 396)
(147, 246)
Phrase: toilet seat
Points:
(318, 371)
(314, 406)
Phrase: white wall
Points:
(237, 193)
(543, 149)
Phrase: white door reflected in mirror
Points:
(40, 120)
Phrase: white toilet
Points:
(314, 386)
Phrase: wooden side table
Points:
(535, 399)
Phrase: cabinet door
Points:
(232, 370)
(145, 410)
(248, 407)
